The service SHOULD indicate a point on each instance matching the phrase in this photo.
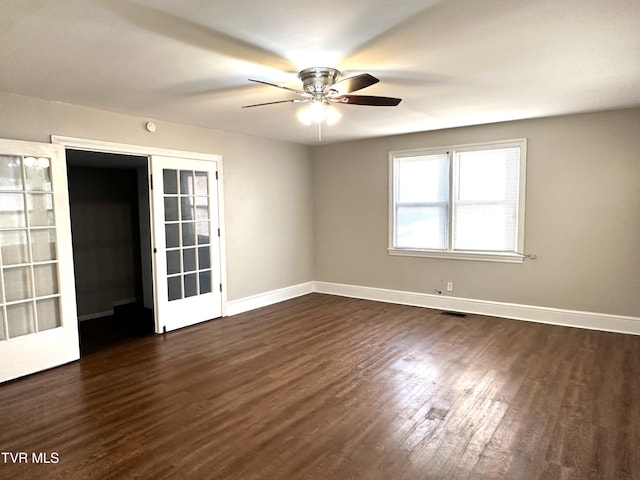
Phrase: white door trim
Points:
(128, 149)
(146, 151)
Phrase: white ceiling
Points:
(454, 62)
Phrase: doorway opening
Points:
(111, 235)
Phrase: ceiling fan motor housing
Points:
(316, 80)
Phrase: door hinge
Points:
(216, 175)
(220, 287)
(151, 182)
(218, 232)
(155, 250)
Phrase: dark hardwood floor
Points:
(323, 387)
(129, 322)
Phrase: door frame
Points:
(145, 151)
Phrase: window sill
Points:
(473, 256)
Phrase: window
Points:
(464, 202)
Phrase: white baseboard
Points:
(554, 316)
(91, 316)
(126, 301)
(529, 313)
(242, 305)
(116, 303)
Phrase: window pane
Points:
(38, 174)
(170, 181)
(203, 233)
(190, 285)
(485, 228)
(202, 186)
(43, 245)
(12, 212)
(421, 227)
(20, 319)
(175, 288)
(46, 279)
(173, 261)
(188, 234)
(204, 260)
(10, 173)
(40, 208)
(171, 209)
(488, 175)
(189, 259)
(187, 208)
(186, 182)
(205, 282)
(172, 235)
(14, 248)
(486, 205)
(48, 314)
(17, 284)
(422, 178)
(202, 208)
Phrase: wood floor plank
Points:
(324, 387)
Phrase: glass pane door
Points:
(187, 245)
(35, 249)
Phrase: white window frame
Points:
(508, 257)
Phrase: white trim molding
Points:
(476, 256)
(128, 149)
(530, 313)
(259, 300)
(149, 152)
(108, 313)
(91, 316)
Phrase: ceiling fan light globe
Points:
(332, 115)
(318, 111)
(304, 116)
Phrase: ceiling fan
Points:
(321, 89)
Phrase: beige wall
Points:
(288, 206)
(267, 184)
(582, 216)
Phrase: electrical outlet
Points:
(449, 286)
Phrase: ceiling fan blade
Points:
(351, 84)
(292, 100)
(368, 100)
(299, 92)
(183, 30)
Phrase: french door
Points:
(186, 229)
(38, 320)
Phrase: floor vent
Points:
(454, 314)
